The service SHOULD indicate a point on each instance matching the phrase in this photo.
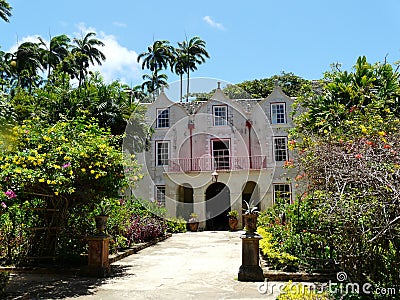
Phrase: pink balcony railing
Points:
(208, 163)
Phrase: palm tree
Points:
(158, 57)
(178, 67)
(53, 54)
(86, 51)
(25, 64)
(153, 82)
(195, 54)
(5, 70)
(5, 10)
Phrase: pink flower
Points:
(3, 205)
(10, 194)
(66, 165)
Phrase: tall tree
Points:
(5, 10)
(86, 52)
(195, 53)
(178, 67)
(25, 64)
(157, 57)
(55, 52)
(153, 82)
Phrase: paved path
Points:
(199, 265)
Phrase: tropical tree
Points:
(153, 82)
(5, 10)
(86, 51)
(25, 64)
(5, 71)
(178, 67)
(157, 57)
(194, 53)
(55, 52)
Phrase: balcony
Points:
(208, 163)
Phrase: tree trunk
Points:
(187, 91)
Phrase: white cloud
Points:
(120, 64)
(212, 23)
(119, 24)
(30, 38)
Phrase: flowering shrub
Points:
(68, 165)
(144, 229)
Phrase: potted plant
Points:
(193, 222)
(233, 220)
(250, 218)
(101, 214)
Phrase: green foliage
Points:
(291, 85)
(276, 259)
(176, 225)
(347, 144)
(70, 167)
(233, 213)
(293, 291)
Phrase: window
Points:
(280, 149)
(162, 153)
(282, 192)
(163, 118)
(160, 195)
(278, 113)
(220, 113)
(220, 151)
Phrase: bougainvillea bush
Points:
(70, 166)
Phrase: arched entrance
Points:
(185, 201)
(218, 204)
(251, 194)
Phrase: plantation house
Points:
(208, 156)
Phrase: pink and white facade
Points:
(244, 141)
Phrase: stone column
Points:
(98, 263)
(199, 205)
(250, 269)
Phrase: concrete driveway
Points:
(193, 265)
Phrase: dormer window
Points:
(278, 113)
(220, 113)
(163, 118)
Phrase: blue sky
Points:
(253, 39)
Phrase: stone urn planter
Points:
(250, 221)
(101, 222)
(233, 220)
(193, 222)
(250, 218)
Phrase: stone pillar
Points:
(199, 205)
(250, 269)
(98, 263)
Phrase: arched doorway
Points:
(251, 194)
(185, 201)
(218, 204)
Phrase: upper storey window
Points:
(220, 113)
(163, 118)
(278, 113)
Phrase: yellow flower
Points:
(83, 170)
(56, 193)
(48, 181)
(97, 176)
(71, 172)
(41, 180)
(91, 171)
